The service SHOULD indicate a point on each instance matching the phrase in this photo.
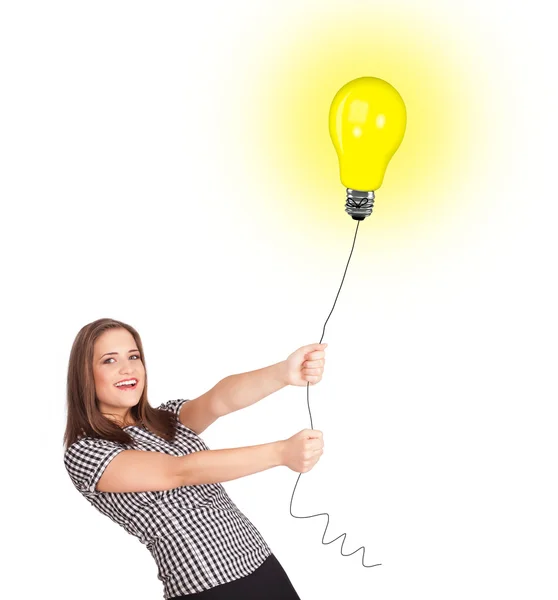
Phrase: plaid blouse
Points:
(196, 533)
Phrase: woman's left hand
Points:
(305, 365)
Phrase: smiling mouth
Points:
(127, 385)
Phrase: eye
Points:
(137, 357)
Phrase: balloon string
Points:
(312, 427)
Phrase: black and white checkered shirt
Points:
(197, 535)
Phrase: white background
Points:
(438, 399)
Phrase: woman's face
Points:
(116, 359)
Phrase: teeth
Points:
(127, 382)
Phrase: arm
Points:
(217, 466)
(200, 413)
(145, 471)
(244, 389)
(230, 394)
(304, 366)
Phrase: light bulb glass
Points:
(367, 121)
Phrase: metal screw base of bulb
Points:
(359, 204)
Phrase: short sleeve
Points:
(173, 406)
(86, 460)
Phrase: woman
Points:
(147, 468)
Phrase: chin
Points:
(131, 401)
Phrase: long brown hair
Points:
(84, 419)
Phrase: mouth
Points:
(127, 384)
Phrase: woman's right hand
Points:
(303, 450)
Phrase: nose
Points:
(126, 368)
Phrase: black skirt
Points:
(268, 582)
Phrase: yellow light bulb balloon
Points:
(367, 121)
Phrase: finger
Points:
(314, 363)
(314, 355)
(316, 371)
(321, 346)
(314, 348)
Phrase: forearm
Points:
(217, 466)
(244, 389)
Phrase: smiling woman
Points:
(103, 354)
(149, 471)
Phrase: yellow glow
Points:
(365, 151)
(278, 99)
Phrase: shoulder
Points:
(173, 405)
(86, 459)
(90, 442)
(86, 451)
